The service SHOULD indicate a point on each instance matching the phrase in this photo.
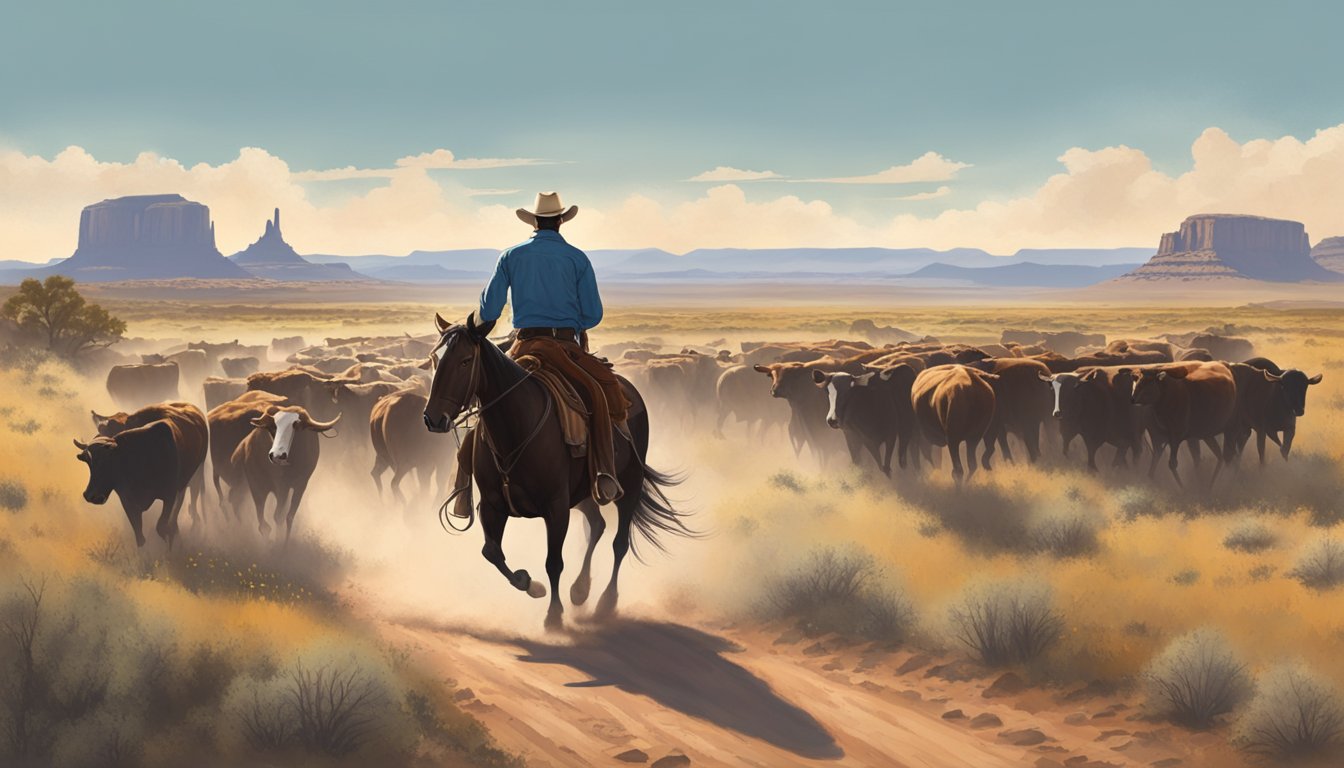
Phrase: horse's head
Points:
(456, 362)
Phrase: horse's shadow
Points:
(684, 669)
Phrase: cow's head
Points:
(787, 380)
(1148, 384)
(283, 422)
(109, 426)
(110, 457)
(1067, 389)
(1293, 384)
(840, 391)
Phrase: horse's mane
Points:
(498, 366)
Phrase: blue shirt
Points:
(551, 285)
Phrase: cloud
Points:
(942, 191)
(439, 159)
(929, 166)
(726, 173)
(1106, 197)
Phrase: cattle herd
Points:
(257, 429)
(254, 418)
(907, 399)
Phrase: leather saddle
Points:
(570, 406)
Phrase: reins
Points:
(505, 467)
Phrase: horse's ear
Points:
(440, 323)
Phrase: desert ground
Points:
(711, 661)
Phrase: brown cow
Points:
(1191, 402)
(230, 423)
(1021, 404)
(191, 364)
(742, 395)
(239, 367)
(954, 404)
(219, 391)
(1269, 401)
(141, 465)
(401, 443)
(193, 438)
(132, 386)
(278, 459)
(1095, 403)
(873, 411)
(355, 403)
(301, 387)
(793, 383)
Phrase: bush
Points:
(787, 481)
(1196, 679)
(13, 496)
(1250, 536)
(1295, 717)
(1007, 624)
(1321, 565)
(841, 592)
(1071, 534)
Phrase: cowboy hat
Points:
(548, 204)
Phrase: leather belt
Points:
(562, 334)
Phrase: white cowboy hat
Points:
(548, 204)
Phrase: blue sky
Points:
(637, 97)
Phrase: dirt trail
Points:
(739, 698)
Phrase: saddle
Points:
(569, 405)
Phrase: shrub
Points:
(787, 481)
(1250, 536)
(1295, 717)
(13, 496)
(1196, 679)
(1007, 623)
(842, 592)
(1134, 501)
(1321, 565)
(1071, 534)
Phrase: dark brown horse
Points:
(524, 468)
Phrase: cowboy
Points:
(555, 303)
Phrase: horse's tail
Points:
(655, 514)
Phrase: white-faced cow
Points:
(278, 459)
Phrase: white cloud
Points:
(1099, 198)
(929, 166)
(491, 192)
(726, 173)
(942, 191)
(439, 159)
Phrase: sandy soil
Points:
(659, 693)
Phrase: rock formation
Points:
(272, 258)
(1213, 246)
(146, 237)
(1329, 253)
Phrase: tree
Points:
(55, 311)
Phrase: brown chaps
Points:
(596, 379)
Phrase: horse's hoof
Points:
(555, 623)
(578, 594)
(606, 608)
(536, 589)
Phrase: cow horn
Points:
(1046, 377)
(321, 426)
(440, 323)
(1316, 379)
(81, 446)
(1271, 377)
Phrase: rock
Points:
(1167, 762)
(272, 258)
(465, 694)
(672, 760)
(953, 672)
(1329, 253)
(1048, 762)
(816, 649)
(790, 636)
(1077, 718)
(633, 755)
(145, 237)
(954, 714)
(1008, 684)
(986, 720)
(832, 666)
(1112, 733)
(1225, 246)
(918, 661)
(1025, 737)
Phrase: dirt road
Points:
(650, 691)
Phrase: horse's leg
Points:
(493, 520)
(625, 509)
(557, 527)
(596, 526)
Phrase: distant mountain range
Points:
(1026, 273)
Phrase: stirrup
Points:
(597, 490)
